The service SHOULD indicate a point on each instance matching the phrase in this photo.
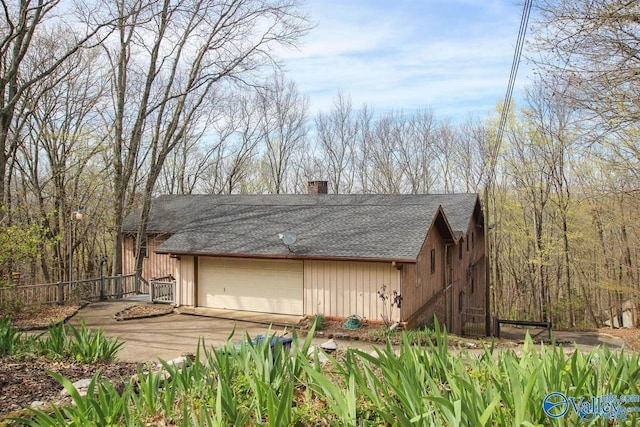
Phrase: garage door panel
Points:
(273, 286)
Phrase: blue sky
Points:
(450, 56)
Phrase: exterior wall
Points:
(468, 280)
(185, 281)
(342, 288)
(420, 286)
(455, 292)
(475, 285)
(154, 265)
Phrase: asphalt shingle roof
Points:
(344, 226)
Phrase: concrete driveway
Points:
(170, 336)
(164, 337)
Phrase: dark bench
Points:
(545, 325)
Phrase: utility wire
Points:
(506, 106)
(493, 156)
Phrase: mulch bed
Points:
(42, 316)
(26, 380)
(139, 311)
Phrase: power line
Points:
(493, 159)
(506, 106)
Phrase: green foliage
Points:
(60, 342)
(92, 346)
(9, 337)
(10, 303)
(19, 242)
(250, 383)
(103, 405)
(318, 321)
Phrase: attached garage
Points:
(263, 285)
(229, 253)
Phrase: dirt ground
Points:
(25, 380)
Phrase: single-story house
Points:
(318, 253)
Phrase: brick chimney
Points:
(317, 187)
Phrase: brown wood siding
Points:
(128, 259)
(464, 279)
(342, 288)
(155, 265)
(476, 271)
(419, 284)
(469, 279)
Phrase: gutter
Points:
(394, 261)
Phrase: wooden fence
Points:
(99, 288)
(473, 322)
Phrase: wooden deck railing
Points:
(88, 289)
(162, 291)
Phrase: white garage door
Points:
(270, 286)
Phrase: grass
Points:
(257, 384)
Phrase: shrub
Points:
(9, 337)
(88, 346)
(318, 321)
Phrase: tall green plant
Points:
(9, 337)
(251, 383)
(92, 346)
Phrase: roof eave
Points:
(288, 256)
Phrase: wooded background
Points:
(125, 100)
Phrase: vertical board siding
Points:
(128, 259)
(342, 288)
(421, 288)
(419, 284)
(155, 265)
(185, 281)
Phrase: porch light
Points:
(77, 216)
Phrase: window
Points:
(473, 240)
(460, 250)
(473, 285)
(144, 246)
(433, 261)
(466, 240)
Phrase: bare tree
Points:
(387, 147)
(234, 146)
(592, 47)
(471, 153)
(20, 71)
(167, 59)
(551, 120)
(337, 134)
(283, 115)
(420, 157)
(60, 128)
(363, 153)
(530, 174)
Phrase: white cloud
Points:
(452, 57)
